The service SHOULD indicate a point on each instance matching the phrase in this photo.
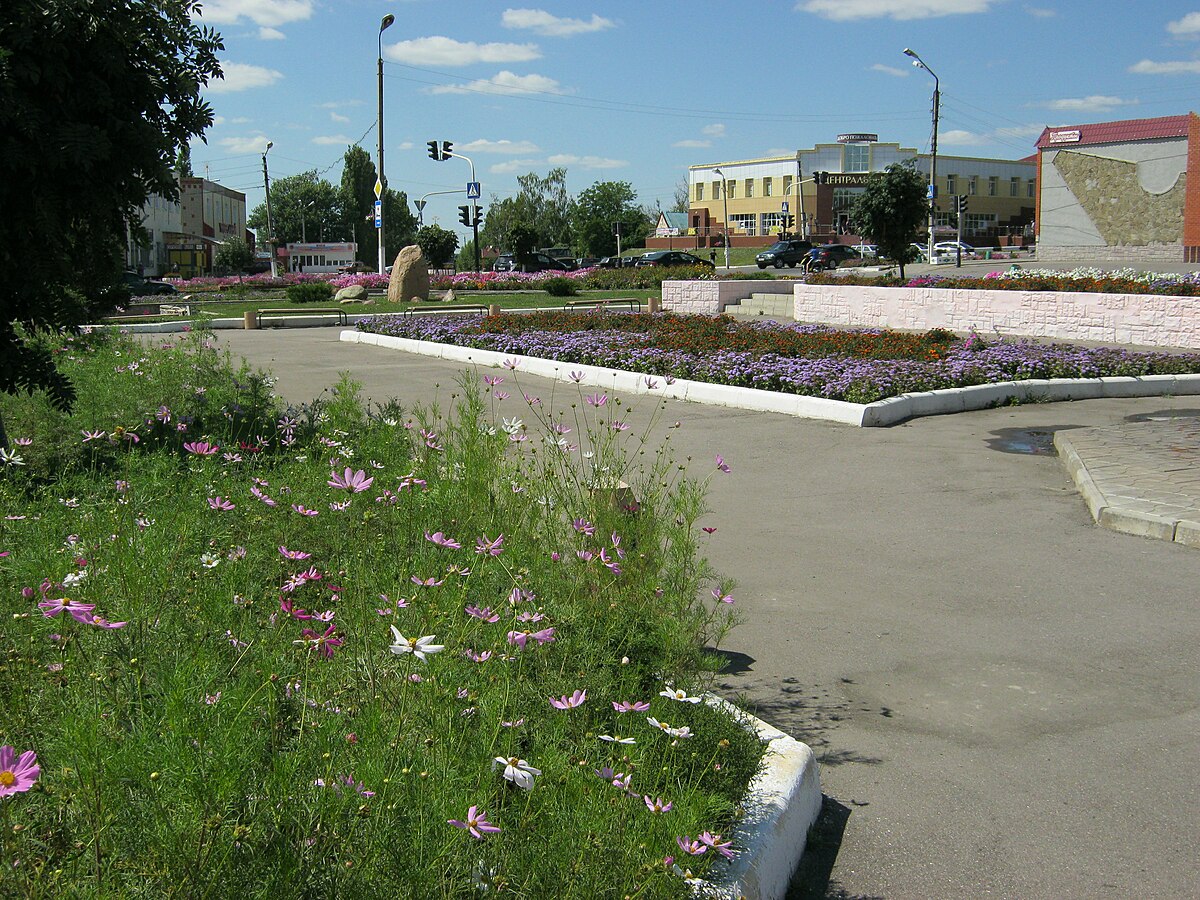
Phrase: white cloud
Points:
(242, 77)
(265, 13)
(846, 10)
(1147, 67)
(504, 83)
(541, 22)
(717, 130)
(501, 146)
(692, 143)
(339, 104)
(240, 120)
(332, 139)
(1039, 12)
(1189, 25)
(444, 51)
(255, 144)
(338, 117)
(891, 70)
(586, 162)
(513, 166)
(218, 120)
(960, 138)
(1094, 103)
(271, 34)
(406, 145)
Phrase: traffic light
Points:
(464, 215)
(820, 177)
(433, 150)
(447, 146)
(441, 153)
(788, 221)
(962, 203)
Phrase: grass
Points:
(247, 720)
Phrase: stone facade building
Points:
(1120, 190)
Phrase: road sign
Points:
(930, 192)
(472, 190)
(420, 204)
(378, 213)
(378, 188)
(785, 206)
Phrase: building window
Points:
(772, 221)
(716, 190)
(993, 186)
(749, 188)
(843, 198)
(1014, 187)
(951, 184)
(745, 223)
(767, 188)
(856, 158)
(787, 185)
(1031, 189)
(699, 191)
(731, 187)
(973, 186)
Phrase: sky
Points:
(638, 91)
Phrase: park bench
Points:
(446, 308)
(301, 311)
(630, 303)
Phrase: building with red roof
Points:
(1120, 190)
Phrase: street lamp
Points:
(270, 227)
(920, 64)
(303, 220)
(725, 197)
(384, 24)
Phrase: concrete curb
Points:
(782, 802)
(882, 413)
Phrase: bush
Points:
(310, 292)
(560, 287)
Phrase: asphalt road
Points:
(1003, 695)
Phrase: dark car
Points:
(616, 262)
(143, 287)
(587, 262)
(671, 258)
(784, 253)
(536, 262)
(829, 256)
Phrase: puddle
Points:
(1032, 443)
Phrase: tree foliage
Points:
(598, 209)
(437, 244)
(892, 210)
(542, 205)
(234, 255)
(301, 205)
(97, 97)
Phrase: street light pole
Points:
(384, 24)
(725, 197)
(800, 197)
(474, 210)
(270, 226)
(920, 64)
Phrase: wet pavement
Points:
(1001, 693)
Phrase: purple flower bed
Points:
(968, 362)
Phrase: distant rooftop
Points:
(1114, 132)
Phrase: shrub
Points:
(310, 292)
(560, 287)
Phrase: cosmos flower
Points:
(418, 647)
(577, 698)
(17, 773)
(516, 770)
(476, 823)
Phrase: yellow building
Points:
(750, 198)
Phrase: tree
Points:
(234, 255)
(96, 100)
(597, 212)
(683, 196)
(542, 204)
(891, 210)
(301, 206)
(437, 244)
(524, 242)
(357, 197)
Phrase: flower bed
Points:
(860, 366)
(1092, 281)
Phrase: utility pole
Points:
(270, 226)
(384, 23)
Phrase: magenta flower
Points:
(221, 503)
(202, 448)
(293, 554)
(576, 377)
(326, 644)
(484, 544)
(51, 608)
(719, 597)
(625, 706)
(427, 582)
(583, 526)
(618, 426)
(511, 363)
(545, 636)
(721, 464)
(651, 384)
(356, 481)
(687, 845)
(714, 841)
(596, 400)
(657, 805)
(298, 507)
(92, 435)
(442, 541)
(492, 381)
(101, 622)
(478, 657)
(17, 774)
(485, 614)
(564, 702)
(263, 497)
(476, 823)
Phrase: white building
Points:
(160, 217)
(316, 258)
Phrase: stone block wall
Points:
(1131, 319)
(710, 298)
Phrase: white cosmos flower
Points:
(681, 696)
(616, 739)
(516, 770)
(418, 647)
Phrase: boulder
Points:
(410, 276)
(449, 296)
(355, 293)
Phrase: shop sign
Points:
(858, 138)
(1064, 137)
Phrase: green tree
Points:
(96, 100)
(357, 197)
(301, 205)
(542, 204)
(524, 240)
(234, 255)
(437, 244)
(891, 211)
(598, 210)
(682, 196)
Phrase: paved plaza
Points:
(1002, 693)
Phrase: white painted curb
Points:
(782, 802)
(881, 413)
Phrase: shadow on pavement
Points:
(1164, 415)
(812, 880)
(1036, 441)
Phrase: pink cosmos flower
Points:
(721, 598)
(618, 426)
(485, 614)
(101, 622)
(564, 702)
(478, 657)
(442, 541)
(263, 497)
(531, 617)
(625, 706)
(427, 582)
(17, 774)
(220, 503)
(297, 507)
(326, 644)
(484, 545)
(687, 845)
(293, 554)
(51, 608)
(596, 400)
(202, 448)
(576, 377)
(511, 363)
(493, 380)
(651, 384)
(356, 481)
(714, 841)
(476, 823)
(657, 805)
(721, 464)
(583, 526)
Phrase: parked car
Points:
(671, 258)
(828, 256)
(616, 262)
(951, 248)
(784, 253)
(586, 262)
(537, 262)
(144, 287)
(866, 251)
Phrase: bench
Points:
(300, 311)
(446, 308)
(170, 309)
(630, 303)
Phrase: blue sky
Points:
(638, 91)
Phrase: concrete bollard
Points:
(493, 309)
(250, 320)
(654, 304)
